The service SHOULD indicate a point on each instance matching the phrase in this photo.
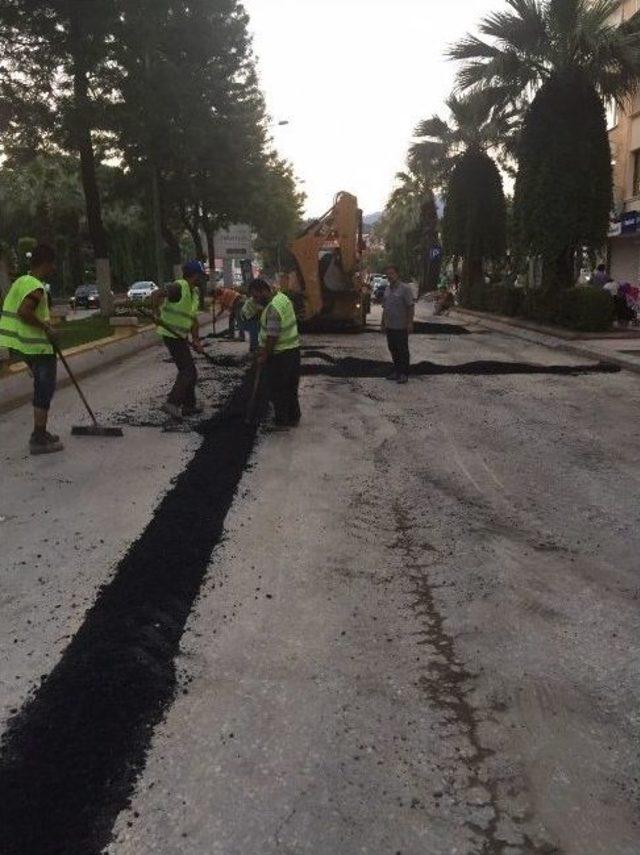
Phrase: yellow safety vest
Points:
(288, 338)
(16, 333)
(181, 315)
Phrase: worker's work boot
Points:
(172, 410)
(44, 443)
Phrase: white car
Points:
(141, 290)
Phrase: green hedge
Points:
(581, 309)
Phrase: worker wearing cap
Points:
(279, 351)
(25, 331)
(178, 305)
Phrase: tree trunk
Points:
(192, 224)
(559, 273)
(5, 283)
(172, 243)
(209, 231)
(430, 267)
(81, 138)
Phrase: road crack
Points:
(448, 684)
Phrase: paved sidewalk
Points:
(615, 348)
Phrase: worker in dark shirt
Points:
(178, 305)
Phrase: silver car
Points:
(141, 290)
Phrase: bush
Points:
(580, 309)
(586, 309)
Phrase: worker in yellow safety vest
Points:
(178, 305)
(26, 332)
(279, 351)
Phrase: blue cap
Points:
(194, 268)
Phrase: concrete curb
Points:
(550, 341)
(16, 387)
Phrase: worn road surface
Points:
(415, 631)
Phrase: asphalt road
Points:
(417, 634)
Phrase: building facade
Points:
(624, 136)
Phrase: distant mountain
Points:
(372, 219)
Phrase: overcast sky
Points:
(353, 77)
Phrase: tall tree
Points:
(474, 225)
(475, 216)
(569, 54)
(409, 224)
(192, 115)
(54, 81)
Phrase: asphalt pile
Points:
(71, 756)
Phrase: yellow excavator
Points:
(326, 284)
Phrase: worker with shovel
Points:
(178, 304)
(279, 352)
(26, 332)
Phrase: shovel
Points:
(84, 430)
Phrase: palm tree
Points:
(566, 55)
(410, 221)
(459, 154)
(476, 122)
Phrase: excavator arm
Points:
(340, 228)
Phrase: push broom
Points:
(84, 430)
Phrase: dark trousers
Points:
(253, 328)
(235, 319)
(398, 341)
(43, 368)
(183, 393)
(283, 376)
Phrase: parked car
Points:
(141, 290)
(85, 297)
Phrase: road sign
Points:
(234, 242)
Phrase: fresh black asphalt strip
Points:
(71, 756)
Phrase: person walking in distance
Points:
(178, 305)
(279, 351)
(397, 322)
(25, 331)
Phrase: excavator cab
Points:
(327, 285)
